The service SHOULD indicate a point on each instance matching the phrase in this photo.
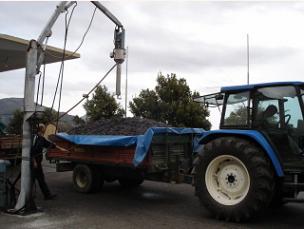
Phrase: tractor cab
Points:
(256, 159)
(273, 109)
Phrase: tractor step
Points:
(293, 181)
(294, 200)
(293, 185)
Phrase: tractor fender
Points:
(253, 135)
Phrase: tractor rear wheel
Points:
(234, 179)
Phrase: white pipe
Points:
(46, 32)
(118, 80)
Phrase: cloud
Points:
(194, 56)
(205, 42)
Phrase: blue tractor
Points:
(256, 159)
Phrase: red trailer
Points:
(10, 147)
(162, 154)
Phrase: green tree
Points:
(2, 127)
(237, 117)
(16, 122)
(102, 105)
(147, 105)
(240, 117)
(78, 121)
(171, 102)
(48, 116)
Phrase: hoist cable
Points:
(93, 89)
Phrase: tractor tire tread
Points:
(258, 166)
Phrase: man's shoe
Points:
(50, 197)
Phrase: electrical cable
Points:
(37, 94)
(63, 55)
(43, 74)
(58, 79)
(93, 89)
(85, 33)
(43, 82)
(61, 73)
(82, 39)
(40, 73)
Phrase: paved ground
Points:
(153, 205)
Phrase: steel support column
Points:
(29, 108)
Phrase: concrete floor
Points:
(153, 205)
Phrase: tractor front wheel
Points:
(234, 179)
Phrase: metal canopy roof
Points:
(13, 53)
(253, 86)
(212, 100)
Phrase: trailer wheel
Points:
(86, 178)
(234, 179)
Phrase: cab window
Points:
(236, 111)
(278, 107)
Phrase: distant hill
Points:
(9, 105)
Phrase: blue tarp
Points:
(100, 140)
(142, 142)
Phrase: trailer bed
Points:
(97, 154)
(10, 147)
(161, 154)
(95, 147)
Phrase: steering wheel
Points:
(288, 116)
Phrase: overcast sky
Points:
(203, 42)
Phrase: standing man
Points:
(37, 154)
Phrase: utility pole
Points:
(247, 58)
(24, 199)
(126, 89)
(34, 59)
